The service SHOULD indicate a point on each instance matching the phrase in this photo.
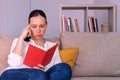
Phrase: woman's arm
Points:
(20, 43)
(14, 59)
(16, 52)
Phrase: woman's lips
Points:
(38, 35)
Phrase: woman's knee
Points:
(64, 68)
(61, 71)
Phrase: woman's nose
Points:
(38, 29)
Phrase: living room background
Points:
(14, 14)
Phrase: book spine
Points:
(77, 25)
(64, 23)
(96, 25)
(70, 24)
(91, 24)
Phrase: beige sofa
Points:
(98, 57)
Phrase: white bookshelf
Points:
(82, 11)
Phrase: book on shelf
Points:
(93, 24)
(70, 25)
(64, 23)
(75, 25)
(38, 55)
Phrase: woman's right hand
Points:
(26, 32)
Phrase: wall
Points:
(14, 14)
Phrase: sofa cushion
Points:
(99, 53)
(69, 56)
(5, 43)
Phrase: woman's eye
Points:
(42, 26)
(33, 26)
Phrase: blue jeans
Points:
(61, 71)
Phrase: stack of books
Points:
(92, 24)
(69, 24)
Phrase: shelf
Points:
(108, 12)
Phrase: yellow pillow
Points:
(69, 56)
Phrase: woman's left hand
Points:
(41, 67)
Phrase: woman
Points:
(55, 70)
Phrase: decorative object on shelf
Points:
(105, 28)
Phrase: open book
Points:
(39, 55)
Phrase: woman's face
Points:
(38, 27)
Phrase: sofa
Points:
(98, 55)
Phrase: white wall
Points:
(13, 14)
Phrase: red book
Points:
(39, 55)
(91, 24)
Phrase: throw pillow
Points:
(69, 56)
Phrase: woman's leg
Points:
(61, 71)
(23, 74)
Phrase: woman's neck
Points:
(40, 42)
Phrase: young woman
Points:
(55, 70)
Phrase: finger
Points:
(28, 30)
(38, 68)
(29, 33)
(40, 65)
(28, 26)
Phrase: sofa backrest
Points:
(99, 53)
(5, 43)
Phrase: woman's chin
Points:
(38, 37)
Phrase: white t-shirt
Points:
(16, 61)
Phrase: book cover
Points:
(38, 55)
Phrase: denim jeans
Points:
(61, 71)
